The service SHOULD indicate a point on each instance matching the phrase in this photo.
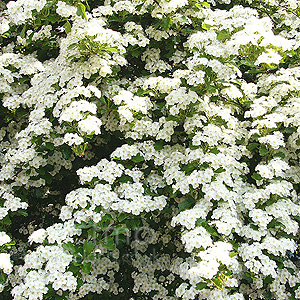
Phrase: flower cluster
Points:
(149, 149)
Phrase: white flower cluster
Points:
(5, 263)
(65, 10)
(36, 280)
(179, 100)
(21, 10)
(128, 104)
(181, 122)
(4, 238)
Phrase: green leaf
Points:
(279, 154)
(290, 130)
(119, 230)
(200, 222)
(88, 247)
(6, 220)
(84, 225)
(186, 204)
(184, 19)
(125, 178)
(112, 49)
(220, 170)
(159, 145)
(137, 158)
(248, 277)
(133, 224)
(204, 166)
(214, 150)
(280, 264)
(23, 212)
(205, 4)
(86, 267)
(256, 176)
(233, 254)
(172, 118)
(20, 113)
(166, 23)
(3, 277)
(160, 106)
(218, 282)
(297, 218)
(105, 222)
(135, 52)
(190, 167)
(67, 26)
(268, 280)
(252, 146)
(69, 247)
(52, 19)
(50, 146)
(12, 243)
(201, 286)
(268, 295)
(223, 35)
(240, 141)
(81, 11)
(253, 226)
(109, 243)
(274, 223)
(211, 230)
(206, 26)
(66, 152)
(92, 233)
(270, 201)
(123, 216)
(23, 32)
(147, 191)
(263, 150)
(77, 263)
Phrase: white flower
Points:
(4, 238)
(65, 10)
(38, 236)
(232, 92)
(90, 125)
(95, 90)
(275, 140)
(269, 57)
(4, 26)
(5, 263)
(73, 139)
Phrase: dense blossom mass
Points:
(149, 149)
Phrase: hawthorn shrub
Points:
(149, 149)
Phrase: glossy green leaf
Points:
(263, 150)
(86, 267)
(256, 176)
(201, 285)
(69, 247)
(137, 158)
(159, 145)
(81, 11)
(88, 247)
(67, 27)
(252, 146)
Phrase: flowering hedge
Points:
(149, 149)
